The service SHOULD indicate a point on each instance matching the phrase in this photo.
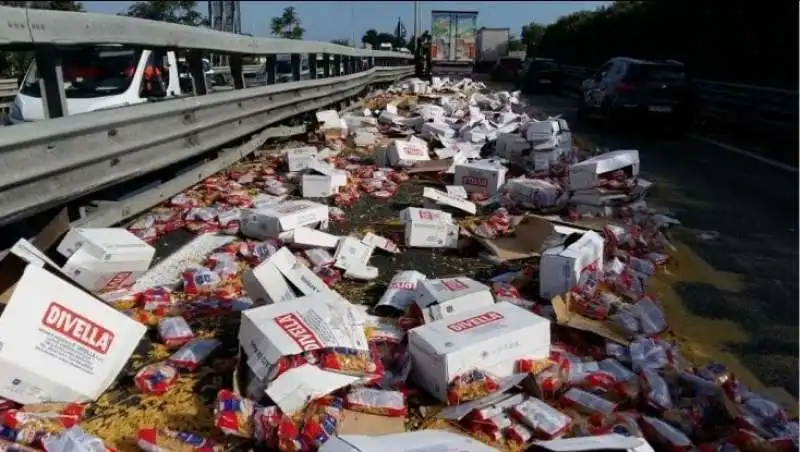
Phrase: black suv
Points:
(629, 88)
(540, 74)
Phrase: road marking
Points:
(734, 149)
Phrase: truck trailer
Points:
(453, 42)
(492, 44)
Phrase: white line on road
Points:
(734, 149)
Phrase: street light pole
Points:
(416, 14)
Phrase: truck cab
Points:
(99, 78)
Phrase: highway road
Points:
(733, 298)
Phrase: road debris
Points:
(439, 269)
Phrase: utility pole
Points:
(353, 26)
(416, 15)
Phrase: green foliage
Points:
(373, 38)
(13, 64)
(341, 42)
(176, 12)
(746, 42)
(287, 25)
(515, 44)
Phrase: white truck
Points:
(98, 78)
(492, 45)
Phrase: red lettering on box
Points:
(77, 328)
(425, 215)
(474, 322)
(472, 180)
(302, 335)
(403, 285)
(117, 281)
(454, 284)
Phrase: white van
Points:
(98, 78)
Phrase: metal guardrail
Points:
(754, 108)
(76, 155)
(54, 162)
(8, 88)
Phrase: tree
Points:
(370, 37)
(176, 12)
(341, 42)
(287, 25)
(531, 36)
(741, 42)
(514, 44)
(15, 63)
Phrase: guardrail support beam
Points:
(236, 71)
(312, 65)
(199, 83)
(326, 65)
(270, 66)
(295, 60)
(354, 65)
(337, 66)
(51, 82)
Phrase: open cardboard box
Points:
(58, 342)
(352, 422)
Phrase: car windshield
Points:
(655, 73)
(90, 72)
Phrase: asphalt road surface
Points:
(732, 298)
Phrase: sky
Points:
(325, 21)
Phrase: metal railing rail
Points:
(54, 162)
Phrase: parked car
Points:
(629, 88)
(540, 74)
(506, 68)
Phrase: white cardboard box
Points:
(534, 193)
(418, 441)
(407, 151)
(440, 298)
(318, 186)
(481, 176)
(101, 259)
(297, 159)
(271, 221)
(586, 174)
(429, 228)
(561, 269)
(59, 343)
(305, 324)
(492, 339)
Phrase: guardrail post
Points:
(326, 65)
(199, 83)
(236, 71)
(51, 81)
(337, 66)
(312, 65)
(295, 61)
(353, 65)
(371, 62)
(270, 66)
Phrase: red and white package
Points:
(518, 434)
(587, 403)
(155, 298)
(660, 432)
(174, 331)
(546, 421)
(377, 401)
(193, 354)
(200, 281)
(497, 408)
(155, 378)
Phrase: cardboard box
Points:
(440, 298)
(491, 339)
(481, 176)
(562, 268)
(272, 221)
(269, 282)
(58, 343)
(447, 199)
(304, 324)
(297, 159)
(102, 259)
(429, 228)
(418, 441)
(407, 151)
(611, 441)
(533, 193)
(587, 174)
(318, 186)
